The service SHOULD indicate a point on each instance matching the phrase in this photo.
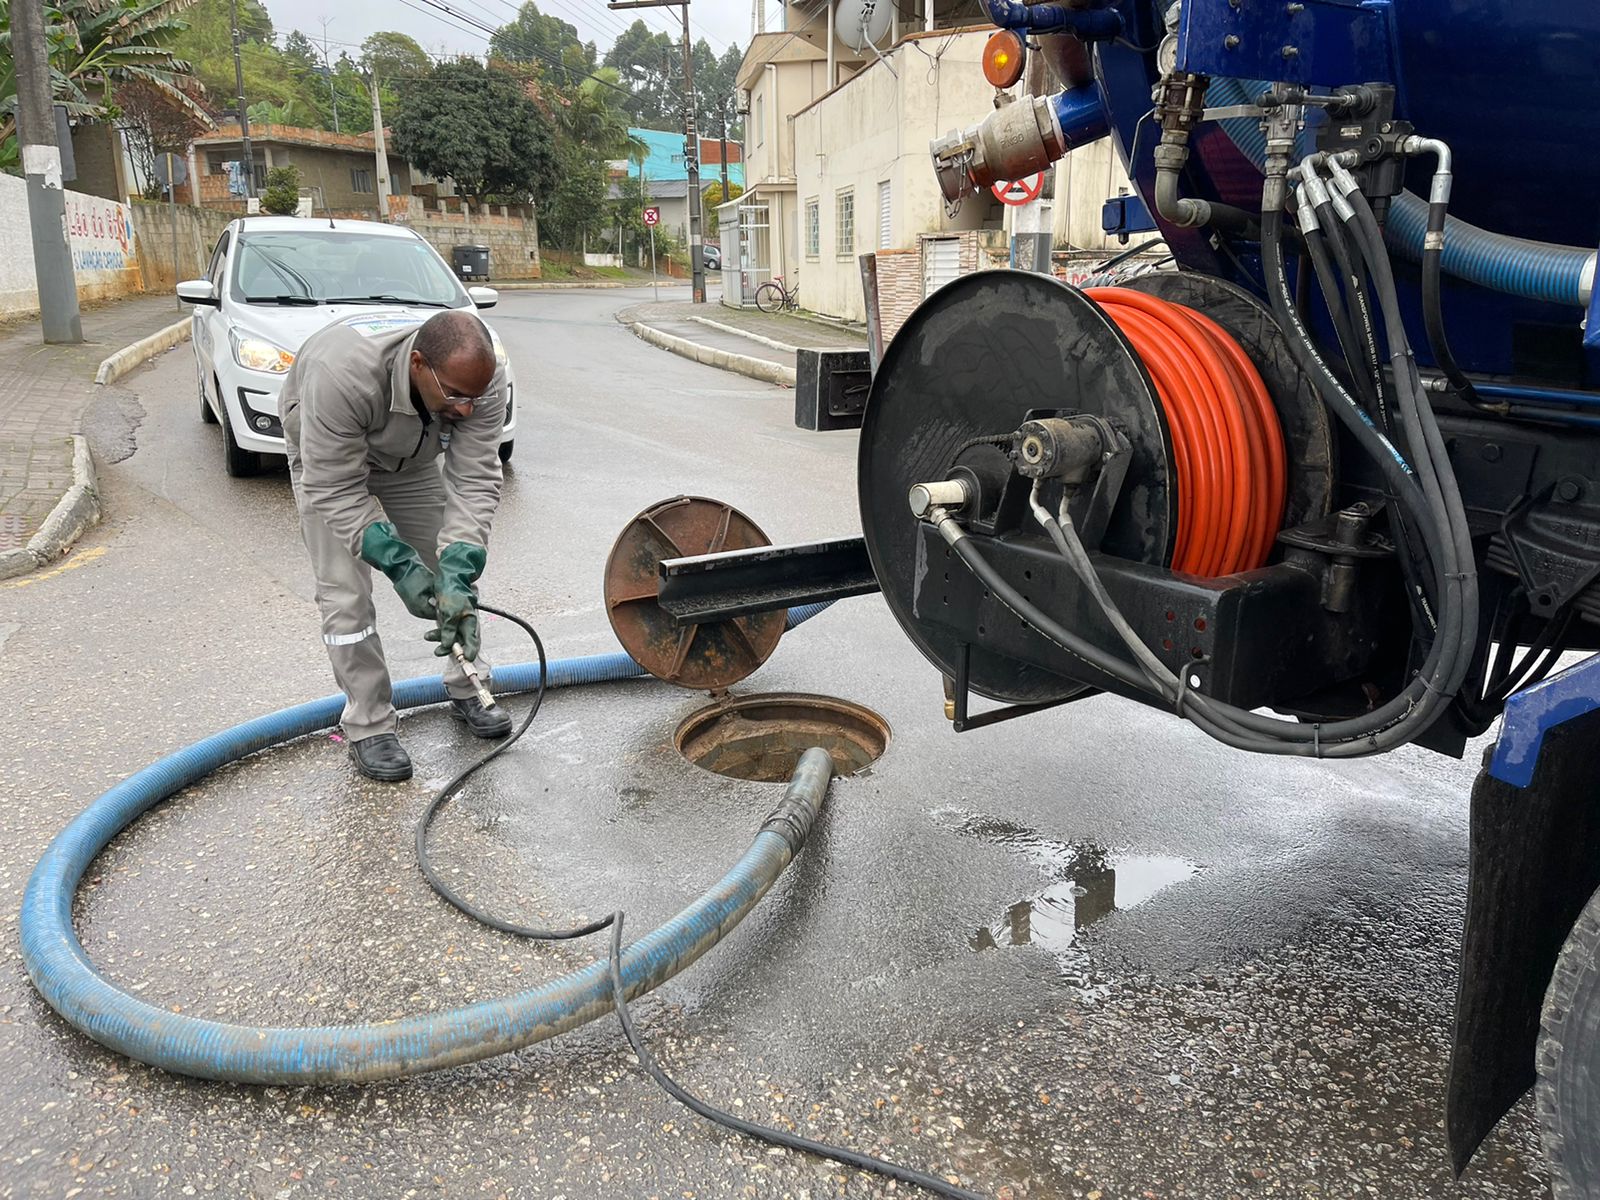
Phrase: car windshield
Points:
(298, 267)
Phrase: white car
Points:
(274, 281)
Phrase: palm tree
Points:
(94, 45)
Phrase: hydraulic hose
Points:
(1517, 266)
(69, 982)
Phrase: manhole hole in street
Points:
(762, 737)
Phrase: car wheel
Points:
(238, 461)
(505, 450)
(207, 416)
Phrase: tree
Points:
(548, 40)
(392, 55)
(643, 60)
(153, 126)
(476, 126)
(712, 196)
(94, 45)
(282, 197)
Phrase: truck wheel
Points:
(505, 450)
(1568, 1088)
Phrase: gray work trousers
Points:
(413, 501)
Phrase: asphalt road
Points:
(1088, 954)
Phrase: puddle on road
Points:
(1087, 883)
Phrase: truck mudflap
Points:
(1534, 863)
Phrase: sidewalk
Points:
(45, 392)
(756, 344)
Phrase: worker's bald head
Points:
(451, 359)
(456, 341)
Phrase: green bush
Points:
(282, 196)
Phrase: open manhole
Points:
(761, 738)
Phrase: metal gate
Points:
(754, 264)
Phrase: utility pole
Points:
(41, 163)
(379, 152)
(327, 69)
(244, 117)
(691, 142)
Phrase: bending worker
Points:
(393, 433)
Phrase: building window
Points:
(813, 228)
(844, 222)
(761, 125)
(360, 180)
(885, 241)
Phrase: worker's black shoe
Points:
(381, 757)
(484, 722)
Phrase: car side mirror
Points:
(199, 291)
(484, 297)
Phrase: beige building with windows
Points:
(839, 172)
(782, 73)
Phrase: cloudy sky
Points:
(720, 22)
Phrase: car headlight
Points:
(500, 355)
(254, 354)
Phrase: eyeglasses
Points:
(453, 399)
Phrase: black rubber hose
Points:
(791, 820)
(1363, 333)
(425, 861)
(1374, 394)
(1438, 475)
(1433, 313)
(1328, 282)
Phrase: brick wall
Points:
(198, 231)
(513, 242)
(899, 288)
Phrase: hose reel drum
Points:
(978, 371)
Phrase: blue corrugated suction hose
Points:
(1516, 266)
(69, 982)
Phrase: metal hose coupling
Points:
(802, 799)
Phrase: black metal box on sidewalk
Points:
(471, 263)
(830, 388)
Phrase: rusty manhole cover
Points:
(761, 738)
(710, 656)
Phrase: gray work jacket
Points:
(347, 414)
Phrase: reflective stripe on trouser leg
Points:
(348, 639)
(413, 499)
(349, 627)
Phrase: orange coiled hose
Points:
(1232, 473)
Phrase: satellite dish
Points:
(862, 24)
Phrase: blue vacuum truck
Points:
(1329, 488)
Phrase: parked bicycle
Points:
(773, 297)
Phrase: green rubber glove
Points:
(381, 547)
(460, 564)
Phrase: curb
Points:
(142, 351)
(744, 333)
(579, 285)
(740, 364)
(76, 511)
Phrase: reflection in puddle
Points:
(1088, 882)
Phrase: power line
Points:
(470, 24)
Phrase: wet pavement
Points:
(1088, 954)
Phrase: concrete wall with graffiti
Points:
(101, 235)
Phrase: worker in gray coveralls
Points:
(377, 411)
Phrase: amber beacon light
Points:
(1004, 56)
